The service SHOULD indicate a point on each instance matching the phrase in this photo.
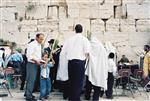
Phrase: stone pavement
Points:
(57, 96)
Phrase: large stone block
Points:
(73, 13)
(63, 12)
(29, 28)
(66, 24)
(47, 22)
(143, 25)
(8, 14)
(112, 25)
(106, 11)
(94, 12)
(128, 42)
(9, 26)
(28, 22)
(97, 26)
(53, 12)
(127, 25)
(135, 1)
(109, 1)
(13, 3)
(117, 2)
(129, 1)
(38, 12)
(118, 12)
(139, 38)
(47, 25)
(84, 13)
(136, 11)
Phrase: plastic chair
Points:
(124, 79)
(137, 80)
(4, 82)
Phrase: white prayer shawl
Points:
(97, 68)
(62, 72)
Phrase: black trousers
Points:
(65, 90)
(110, 84)
(76, 75)
(89, 87)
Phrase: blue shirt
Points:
(46, 70)
(16, 57)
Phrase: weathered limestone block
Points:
(117, 38)
(29, 28)
(143, 25)
(139, 38)
(112, 25)
(135, 1)
(43, 2)
(117, 2)
(84, 9)
(66, 24)
(43, 28)
(9, 26)
(120, 12)
(138, 11)
(28, 22)
(97, 26)
(94, 12)
(73, 12)
(127, 25)
(38, 12)
(47, 25)
(129, 1)
(47, 22)
(62, 13)
(53, 12)
(84, 13)
(106, 11)
(109, 1)
(8, 14)
(13, 3)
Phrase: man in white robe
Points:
(62, 72)
(97, 68)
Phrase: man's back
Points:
(77, 47)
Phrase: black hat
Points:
(51, 41)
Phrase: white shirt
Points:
(112, 66)
(1, 53)
(34, 51)
(77, 47)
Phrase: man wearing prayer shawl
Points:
(97, 69)
(62, 72)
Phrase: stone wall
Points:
(125, 23)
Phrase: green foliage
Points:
(89, 35)
(55, 44)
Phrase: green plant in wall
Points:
(89, 35)
(13, 44)
(1, 41)
(30, 6)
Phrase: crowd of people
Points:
(78, 64)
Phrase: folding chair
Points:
(137, 80)
(4, 84)
(124, 79)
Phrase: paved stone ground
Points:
(57, 96)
